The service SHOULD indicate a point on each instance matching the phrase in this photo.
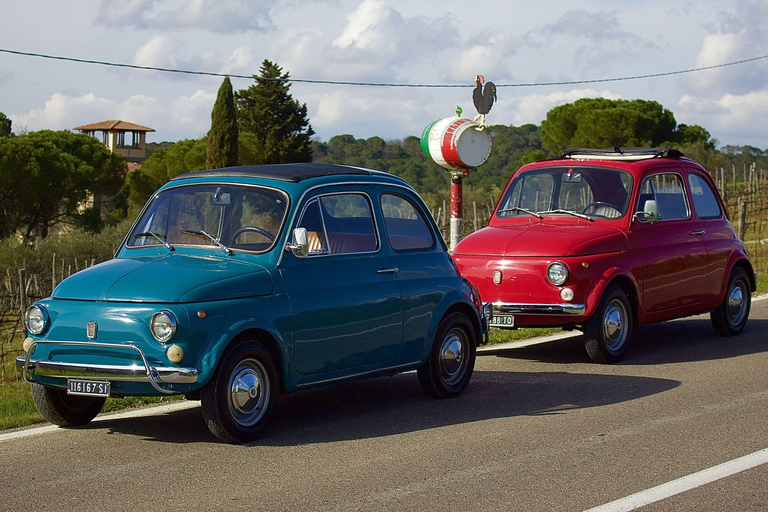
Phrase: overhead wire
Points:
(378, 84)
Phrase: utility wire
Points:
(374, 84)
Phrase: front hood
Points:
(544, 238)
(170, 278)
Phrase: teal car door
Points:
(344, 295)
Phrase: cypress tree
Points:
(222, 139)
(278, 121)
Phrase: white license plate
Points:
(87, 387)
(503, 320)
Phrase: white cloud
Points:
(193, 113)
(533, 108)
(485, 54)
(211, 15)
(62, 112)
(733, 116)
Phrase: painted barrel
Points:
(456, 143)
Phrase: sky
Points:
(437, 42)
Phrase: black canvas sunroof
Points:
(283, 172)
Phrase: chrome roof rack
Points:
(617, 153)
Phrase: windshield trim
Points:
(153, 198)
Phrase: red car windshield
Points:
(598, 193)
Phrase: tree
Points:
(601, 123)
(5, 126)
(47, 177)
(279, 122)
(222, 138)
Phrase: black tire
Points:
(608, 331)
(239, 400)
(59, 408)
(731, 315)
(452, 358)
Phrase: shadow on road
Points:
(396, 405)
(679, 341)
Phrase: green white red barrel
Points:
(456, 143)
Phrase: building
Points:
(127, 139)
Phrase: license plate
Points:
(87, 387)
(503, 320)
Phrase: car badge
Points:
(91, 330)
(497, 277)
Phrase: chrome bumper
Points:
(154, 375)
(506, 308)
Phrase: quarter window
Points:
(339, 224)
(406, 227)
(668, 192)
(704, 201)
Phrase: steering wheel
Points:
(597, 204)
(254, 229)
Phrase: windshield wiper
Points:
(203, 234)
(158, 237)
(521, 210)
(569, 212)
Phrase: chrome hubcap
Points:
(452, 357)
(248, 392)
(736, 306)
(614, 325)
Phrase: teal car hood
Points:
(172, 278)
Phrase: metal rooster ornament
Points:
(483, 98)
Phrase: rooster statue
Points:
(483, 98)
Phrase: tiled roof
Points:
(114, 125)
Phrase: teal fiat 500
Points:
(235, 285)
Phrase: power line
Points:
(375, 84)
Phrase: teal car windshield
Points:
(600, 193)
(223, 216)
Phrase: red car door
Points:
(671, 250)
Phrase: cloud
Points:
(378, 41)
(211, 15)
(187, 116)
(604, 39)
(739, 35)
(533, 108)
(487, 53)
(732, 117)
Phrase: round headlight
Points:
(557, 273)
(163, 326)
(35, 319)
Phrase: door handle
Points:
(697, 233)
(387, 270)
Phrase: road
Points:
(540, 428)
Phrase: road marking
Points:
(685, 483)
(133, 413)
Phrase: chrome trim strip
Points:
(401, 367)
(155, 375)
(539, 309)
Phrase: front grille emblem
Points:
(91, 330)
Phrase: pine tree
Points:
(279, 122)
(222, 139)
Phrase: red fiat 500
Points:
(606, 240)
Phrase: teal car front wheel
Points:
(59, 408)
(238, 402)
(452, 358)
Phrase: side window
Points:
(339, 224)
(407, 229)
(668, 192)
(704, 201)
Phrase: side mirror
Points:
(299, 245)
(650, 212)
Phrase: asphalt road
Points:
(539, 428)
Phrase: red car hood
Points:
(543, 238)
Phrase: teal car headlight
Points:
(557, 273)
(36, 319)
(163, 326)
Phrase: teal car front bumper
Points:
(161, 378)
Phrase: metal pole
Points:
(457, 211)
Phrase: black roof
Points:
(663, 152)
(283, 172)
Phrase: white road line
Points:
(685, 483)
(133, 413)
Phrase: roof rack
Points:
(617, 153)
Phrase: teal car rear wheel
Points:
(452, 359)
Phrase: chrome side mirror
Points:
(650, 212)
(299, 244)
